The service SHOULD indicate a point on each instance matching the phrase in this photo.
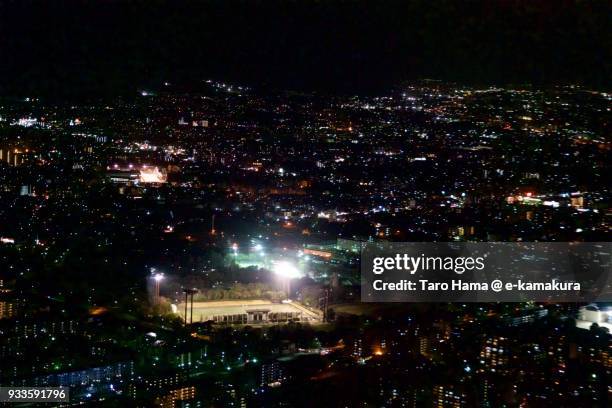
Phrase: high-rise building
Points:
(271, 374)
(7, 310)
(176, 397)
(494, 354)
(448, 397)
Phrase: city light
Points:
(422, 225)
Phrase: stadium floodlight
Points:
(157, 277)
(286, 270)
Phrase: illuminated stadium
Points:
(131, 174)
(600, 314)
(250, 312)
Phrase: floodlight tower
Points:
(189, 292)
(157, 278)
(286, 271)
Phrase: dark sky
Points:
(65, 48)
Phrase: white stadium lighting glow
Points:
(158, 277)
(286, 270)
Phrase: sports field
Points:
(205, 311)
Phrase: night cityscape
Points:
(184, 199)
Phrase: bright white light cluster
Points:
(286, 270)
